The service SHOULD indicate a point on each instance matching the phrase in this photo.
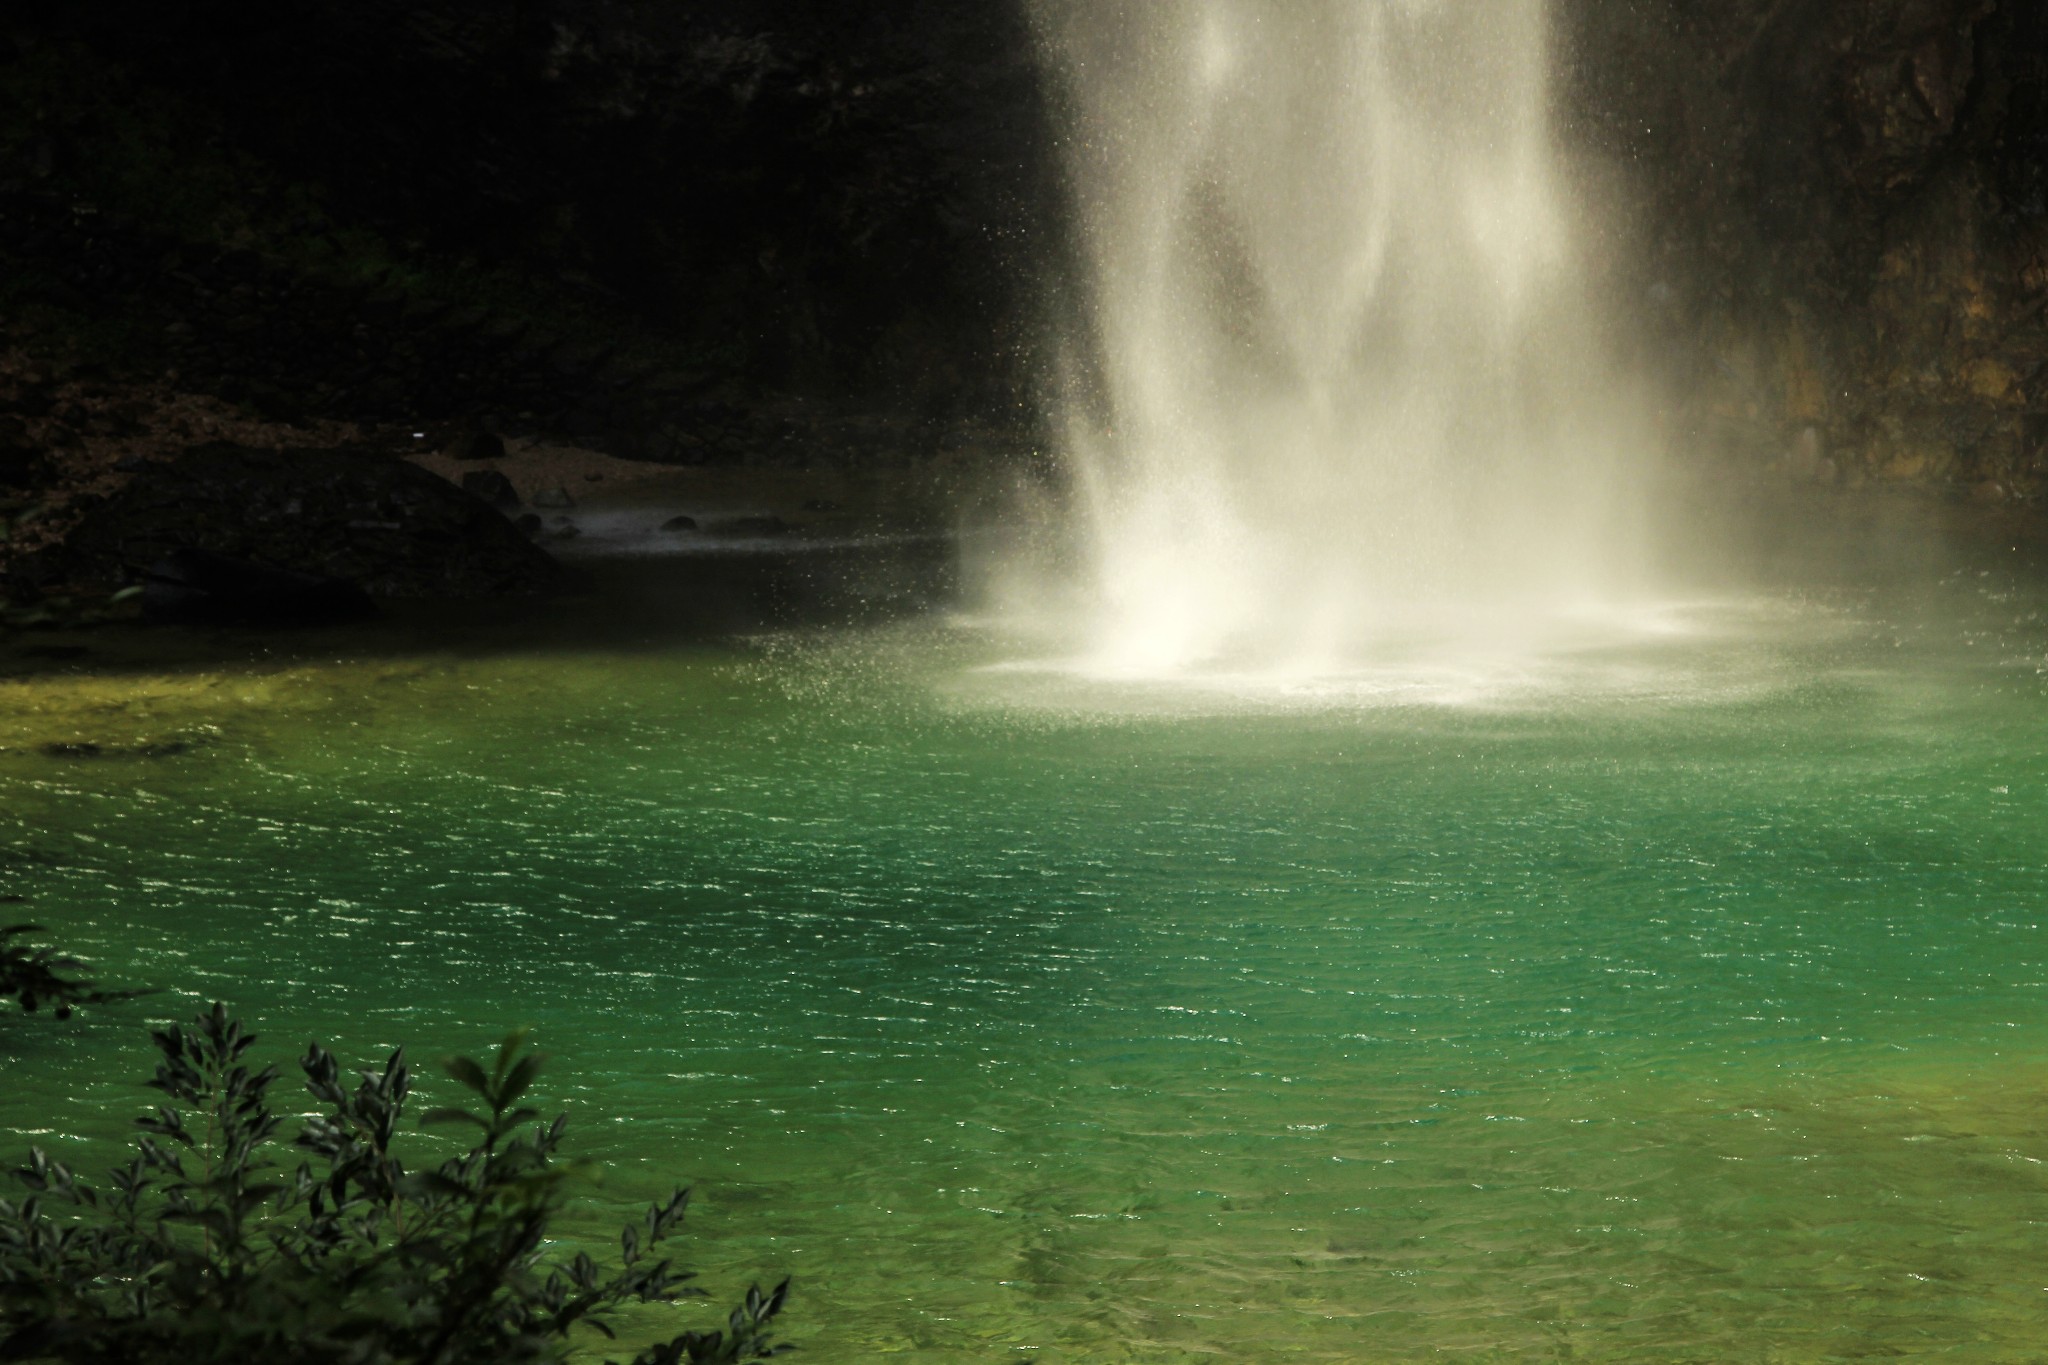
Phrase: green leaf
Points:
(519, 1079)
(508, 1048)
(466, 1070)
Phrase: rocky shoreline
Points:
(782, 271)
(108, 472)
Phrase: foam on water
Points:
(1702, 650)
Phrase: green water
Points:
(1674, 998)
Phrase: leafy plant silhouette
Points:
(33, 977)
(202, 1249)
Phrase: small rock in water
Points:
(561, 528)
(85, 749)
(680, 524)
(477, 445)
(493, 487)
(556, 497)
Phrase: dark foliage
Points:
(809, 190)
(203, 1249)
(33, 977)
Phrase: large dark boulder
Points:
(493, 487)
(386, 526)
(201, 588)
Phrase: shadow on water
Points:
(621, 602)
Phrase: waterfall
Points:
(1332, 371)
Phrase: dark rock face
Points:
(493, 487)
(1839, 247)
(1900, 94)
(1842, 241)
(199, 588)
(388, 527)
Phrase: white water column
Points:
(1335, 376)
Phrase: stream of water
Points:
(1334, 365)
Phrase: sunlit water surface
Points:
(1674, 993)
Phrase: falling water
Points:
(1335, 377)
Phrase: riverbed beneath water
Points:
(1672, 993)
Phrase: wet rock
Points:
(1908, 76)
(555, 498)
(680, 524)
(388, 526)
(561, 528)
(528, 524)
(493, 487)
(1992, 381)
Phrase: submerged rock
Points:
(680, 524)
(71, 749)
(85, 749)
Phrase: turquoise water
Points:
(1676, 995)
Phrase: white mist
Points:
(1338, 387)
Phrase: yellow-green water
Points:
(1678, 998)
